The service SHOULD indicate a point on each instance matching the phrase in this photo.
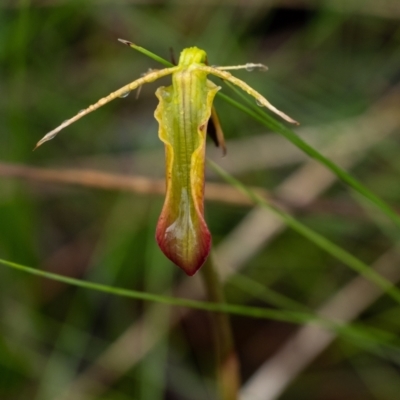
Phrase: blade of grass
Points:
(147, 53)
(325, 244)
(255, 312)
(273, 124)
(364, 336)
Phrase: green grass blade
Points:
(325, 244)
(362, 336)
(255, 312)
(271, 123)
(147, 53)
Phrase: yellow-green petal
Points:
(183, 113)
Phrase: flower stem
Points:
(227, 362)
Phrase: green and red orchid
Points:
(183, 113)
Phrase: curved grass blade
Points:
(147, 53)
(254, 312)
(322, 242)
(361, 335)
(273, 124)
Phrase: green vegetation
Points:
(301, 243)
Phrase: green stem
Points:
(227, 361)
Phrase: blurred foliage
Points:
(327, 65)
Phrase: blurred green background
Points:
(333, 66)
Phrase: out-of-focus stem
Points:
(227, 362)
